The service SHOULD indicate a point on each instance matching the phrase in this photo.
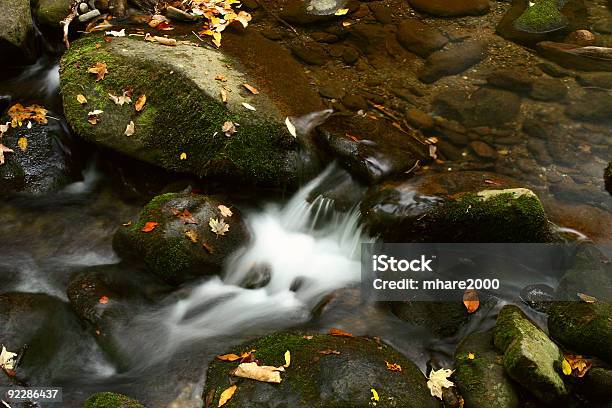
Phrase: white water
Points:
(310, 249)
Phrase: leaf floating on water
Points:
(470, 300)
(149, 226)
(225, 211)
(393, 366)
(251, 89)
(438, 380)
(219, 227)
(375, 396)
(291, 127)
(129, 130)
(586, 298)
(23, 144)
(99, 70)
(339, 333)
(140, 102)
(259, 373)
(7, 359)
(226, 395)
(81, 99)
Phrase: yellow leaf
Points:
(471, 356)
(23, 144)
(375, 396)
(566, 367)
(81, 99)
(227, 395)
(140, 102)
(341, 12)
(192, 235)
(183, 156)
(217, 39)
(260, 373)
(287, 359)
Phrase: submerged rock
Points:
(511, 80)
(590, 272)
(181, 246)
(16, 31)
(184, 112)
(592, 106)
(452, 60)
(482, 380)
(454, 207)
(420, 38)
(452, 8)
(325, 371)
(111, 400)
(576, 57)
(530, 357)
(583, 327)
(596, 79)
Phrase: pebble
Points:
(381, 12)
(83, 8)
(581, 37)
(484, 150)
(419, 119)
(350, 55)
(90, 15)
(355, 102)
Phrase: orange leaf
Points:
(229, 357)
(340, 333)
(99, 69)
(470, 300)
(252, 89)
(149, 226)
(393, 366)
(103, 300)
(579, 365)
(140, 102)
(227, 395)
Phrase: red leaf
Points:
(149, 226)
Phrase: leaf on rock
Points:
(81, 99)
(329, 351)
(287, 359)
(149, 226)
(183, 156)
(22, 142)
(219, 227)
(259, 373)
(586, 298)
(579, 365)
(339, 333)
(229, 128)
(99, 70)
(185, 216)
(223, 95)
(116, 33)
(225, 211)
(192, 235)
(393, 366)
(471, 356)
(140, 102)
(93, 116)
(103, 300)
(291, 127)
(249, 107)
(470, 300)
(232, 356)
(209, 248)
(129, 130)
(566, 367)
(4, 149)
(121, 100)
(226, 395)
(375, 396)
(438, 380)
(341, 12)
(20, 114)
(7, 359)
(251, 89)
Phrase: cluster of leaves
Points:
(219, 14)
(19, 116)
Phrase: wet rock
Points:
(538, 296)
(511, 80)
(369, 38)
(596, 79)
(452, 60)
(482, 381)
(310, 11)
(419, 119)
(381, 12)
(345, 192)
(577, 57)
(542, 16)
(597, 383)
(44, 165)
(350, 55)
(451, 8)
(590, 272)
(332, 91)
(311, 55)
(548, 90)
(539, 150)
(111, 400)
(324, 37)
(583, 327)
(554, 70)
(273, 34)
(530, 357)
(608, 177)
(420, 38)
(592, 106)
(442, 319)
(433, 208)
(581, 37)
(485, 107)
(370, 150)
(50, 12)
(169, 251)
(483, 150)
(318, 376)
(184, 112)
(16, 31)
(355, 102)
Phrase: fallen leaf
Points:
(223, 95)
(329, 351)
(291, 127)
(192, 235)
(219, 227)
(471, 356)
(93, 116)
(121, 100)
(229, 128)
(183, 156)
(127, 224)
(4, 149)
(81, 99)
(230, 357)
(149, 226)
(438, 380)
(375, 396)
(20, 114)
(586, 298)
(165, 41)
(225, 212)
(116, 33)
(249, 107)
(22, 142)
(221, 78)
(260, 373)
(393, 366)
(103, 300)
(208, 247)
(566, 367)
(226, 395)
(129, 130)
(99, 69)
(7, 359)
(252, 89)
(308, 337)
(470, 300)
(185, 216)
(578, 364)
(341, 12)
(287, 359)
(339, 333)
(140, 102)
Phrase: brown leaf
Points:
(470, 300)
(103, 300)
(185, 216)
(20, 114)
(140, 102)
(192, 235)
(99, 70)
(230, 357)
(221, 78)
(579, 365)
(208, 247)
(227, 395)
(252, 89)
(393, 366)
(340, 333)
(149, 226)
(586, 298)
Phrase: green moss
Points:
(111, 400)
(543, 17)
(177, 118)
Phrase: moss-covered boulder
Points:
(181, 127)
(111, 400)
(530, 357)
(454, 207)
(42, 167)
(583, 327)
(50, 12)
(325, 371)
(482, 380)
(16, 31)
(182, 245)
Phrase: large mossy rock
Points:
(111, 400)
(583, 327)
(16, 31)
(325, 371)
(184, 112)
(50, 12)
(454, 207)
(482, 380)
(169, 250)
(530, 357)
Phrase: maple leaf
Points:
(578, 365)
(149, 226)
(19, 114)
(140, 102)
(226, 395)
(393, 366)
(192, 235)
(99, 69)
(7, 359)
(438, 380)
(219, 227)
(225, 211)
